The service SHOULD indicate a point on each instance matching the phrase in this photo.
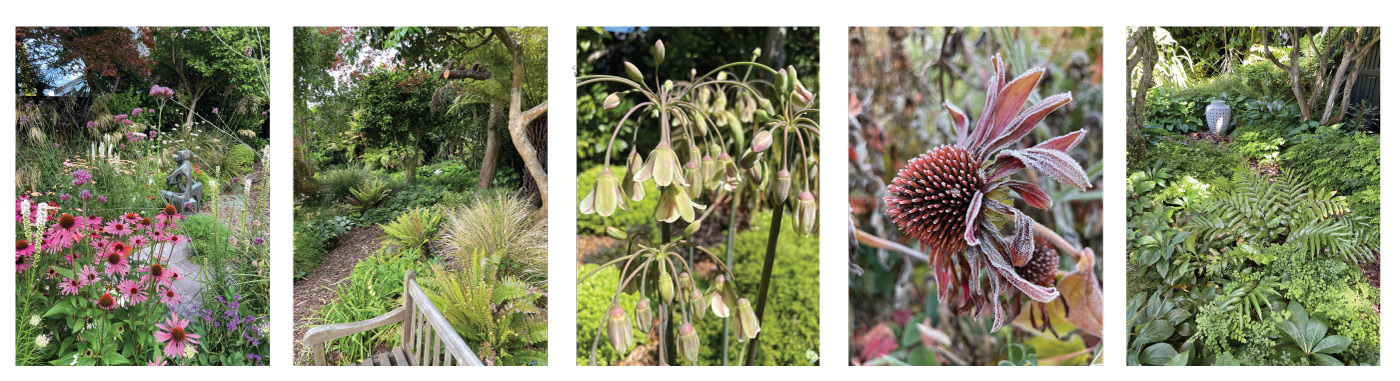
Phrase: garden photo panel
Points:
(141, 183)
(976, 196)
(421, 196)
(1253, 196)
(697, 191)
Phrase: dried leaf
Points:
(1081, 289)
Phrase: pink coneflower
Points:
(144, 223)
(106, 302)
(177, 239)
(93, 222)
(131, 218)
(98, 242)
(169, 297)
(168, 214)
(166, 225)
(156, 273)
(119, 228)
(139, 241)
(132, 290)
(66, 231)
(22, 247)
(23, 262)
(88, 275)
(173, 334)
(116, 263)
(71, 286)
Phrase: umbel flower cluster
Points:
(724, 135)
(955, 198)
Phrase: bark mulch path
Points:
(316, 289)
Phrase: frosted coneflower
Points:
(132, 291)
(173, 334)
(954, 198)
(1040, 270)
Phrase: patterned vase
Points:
(1218, 116)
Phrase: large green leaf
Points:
(1332, 344)
(1158, 354)
(1153, 332)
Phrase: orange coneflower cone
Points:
(1040, 270)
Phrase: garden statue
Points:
(187, 198)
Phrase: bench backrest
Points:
(428, 339)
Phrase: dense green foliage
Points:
(497, 313)
(374, 287)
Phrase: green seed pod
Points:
(685, 280)
(792, 78)
(611, 101)
(780, 81)
(761, 141)
(633, 73)
(691, 229)
(616, 233)
(707, 167)
(619, 330)
(665, 286)
(689, 343)
(715, 150)
(644, 317)
(761, 116)
(658, 52)
(784, 184)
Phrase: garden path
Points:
(191, 280)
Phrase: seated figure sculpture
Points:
(186, 197)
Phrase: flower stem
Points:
(774, 228)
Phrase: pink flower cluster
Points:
(123, 119)
(161, 92)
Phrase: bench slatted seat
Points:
(427, 338)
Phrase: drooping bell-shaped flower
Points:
(619, 330)
(746, 326)
(804, 214)
(689, 343)
(697, 304)
(605, 197)
(643, 313)
(727, 174)
(662, 166)
(782, 186)
(675, 204)
(630, 187)
(693, 178)
(721, 297)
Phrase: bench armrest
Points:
(317, 336)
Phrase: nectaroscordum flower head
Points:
(954, 197)
(605, 197)
(662, 166)
(619, 330)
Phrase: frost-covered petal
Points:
(1025, 122)
(1053, 163)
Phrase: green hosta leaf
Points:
(1158, 354)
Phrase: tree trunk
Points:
(1146, 54)
(519, 119)
(493, 149)
(189, 114)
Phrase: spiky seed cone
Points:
(1042, 266)
(930, 197)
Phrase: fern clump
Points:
(412, 229)
(369, 193)
(1284, 209)
(502, 317)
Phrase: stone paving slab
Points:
(191, 281)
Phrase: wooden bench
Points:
(427, 337)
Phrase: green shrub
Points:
(1258, 142)
(498, 315)
(238, 162)
(791, 323)
(402, 197)
(1336, 293)
(206, 234)
(499, 222)
(594, 296)
(1348, 163)
(1206, 162)
(337, 183)
(639, 213)
(375, 287)
(454, 175)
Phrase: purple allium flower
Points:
(85, 195)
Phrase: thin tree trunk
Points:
(493, 149)
(519, 119)
(189, 114)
